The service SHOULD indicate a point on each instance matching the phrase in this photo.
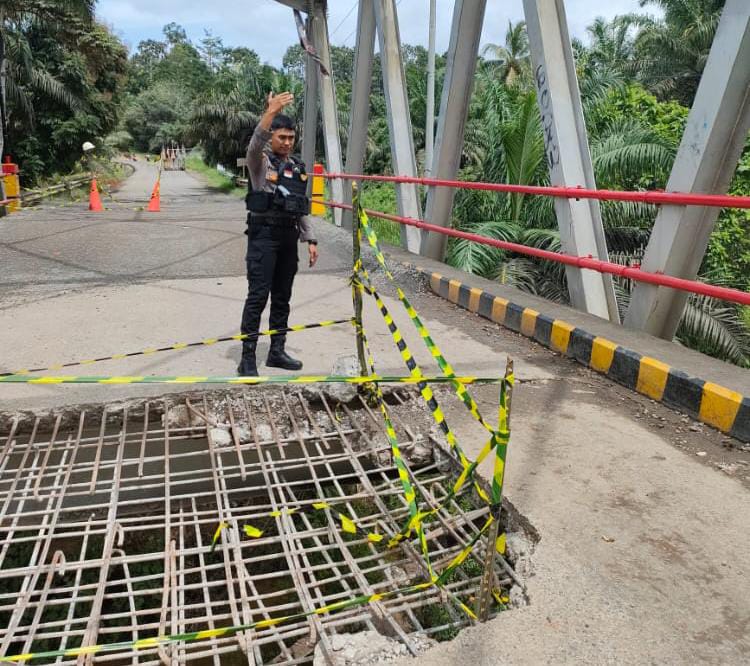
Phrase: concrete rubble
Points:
(367, 648)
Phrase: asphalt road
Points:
(60, 246)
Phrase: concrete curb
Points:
(711, 403)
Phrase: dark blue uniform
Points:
(276, 221)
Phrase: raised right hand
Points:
(276, 103)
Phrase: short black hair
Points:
(283, 122)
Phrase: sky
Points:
(267, 27)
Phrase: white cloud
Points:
(268, 27)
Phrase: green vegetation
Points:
(69, 80)
(65, 75)
(212, 177)
(382, 197)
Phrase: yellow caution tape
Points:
(196, 636)
(178, 346)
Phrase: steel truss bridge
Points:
(713, 140)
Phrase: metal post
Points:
(3, 73)
(310, 113)
(566, 145)
(359, 113)
(484, 598)
(468, 17)
(429, 130)
(328, 105)
(356, 292)
(399, 118)
(711, 146)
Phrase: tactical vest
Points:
(289, 199)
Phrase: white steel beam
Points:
(359, 113)
(711, 146)
(429, 134)
(468, 18)
(310, 113)
(568, 156)
(399, 118)
(328, 106)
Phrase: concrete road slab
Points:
(643, 545)
(111, 320)
(643, 555)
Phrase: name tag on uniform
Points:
(288, 173)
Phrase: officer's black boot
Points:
(278, 358)
(248, 366)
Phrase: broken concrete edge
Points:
(713, 404)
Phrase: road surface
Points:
(642, 514)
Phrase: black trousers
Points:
(271, 266)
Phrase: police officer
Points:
(277, 220)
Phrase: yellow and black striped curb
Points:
(711, 403)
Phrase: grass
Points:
(382, 197)
(214, 179)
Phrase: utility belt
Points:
(278, 221)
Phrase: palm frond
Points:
(715, 328)
(21, 99)
(630, 150)
(482, 259)
(49, 86)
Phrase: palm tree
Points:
(672, 52)
(504, 144)
(17, 69)
(221, 122)
(513, 57)
(611, 42)
(715, 328)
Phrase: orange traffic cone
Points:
(95, 201)
(154, 206)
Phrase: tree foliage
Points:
(63, 83)
(638, 75)
(671, 52)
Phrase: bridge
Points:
(141, 514)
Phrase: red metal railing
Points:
(647, 197)
(630, 272)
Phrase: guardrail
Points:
(629, 272)
(31, 196)
(653, 197)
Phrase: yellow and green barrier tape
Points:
(348, 524)
(499, 437)
(196, 636)
(178, 346)
(421, 328)
(270, 379)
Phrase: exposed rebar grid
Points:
(106, 522)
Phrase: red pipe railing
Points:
(629, 272)
(647, 197)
